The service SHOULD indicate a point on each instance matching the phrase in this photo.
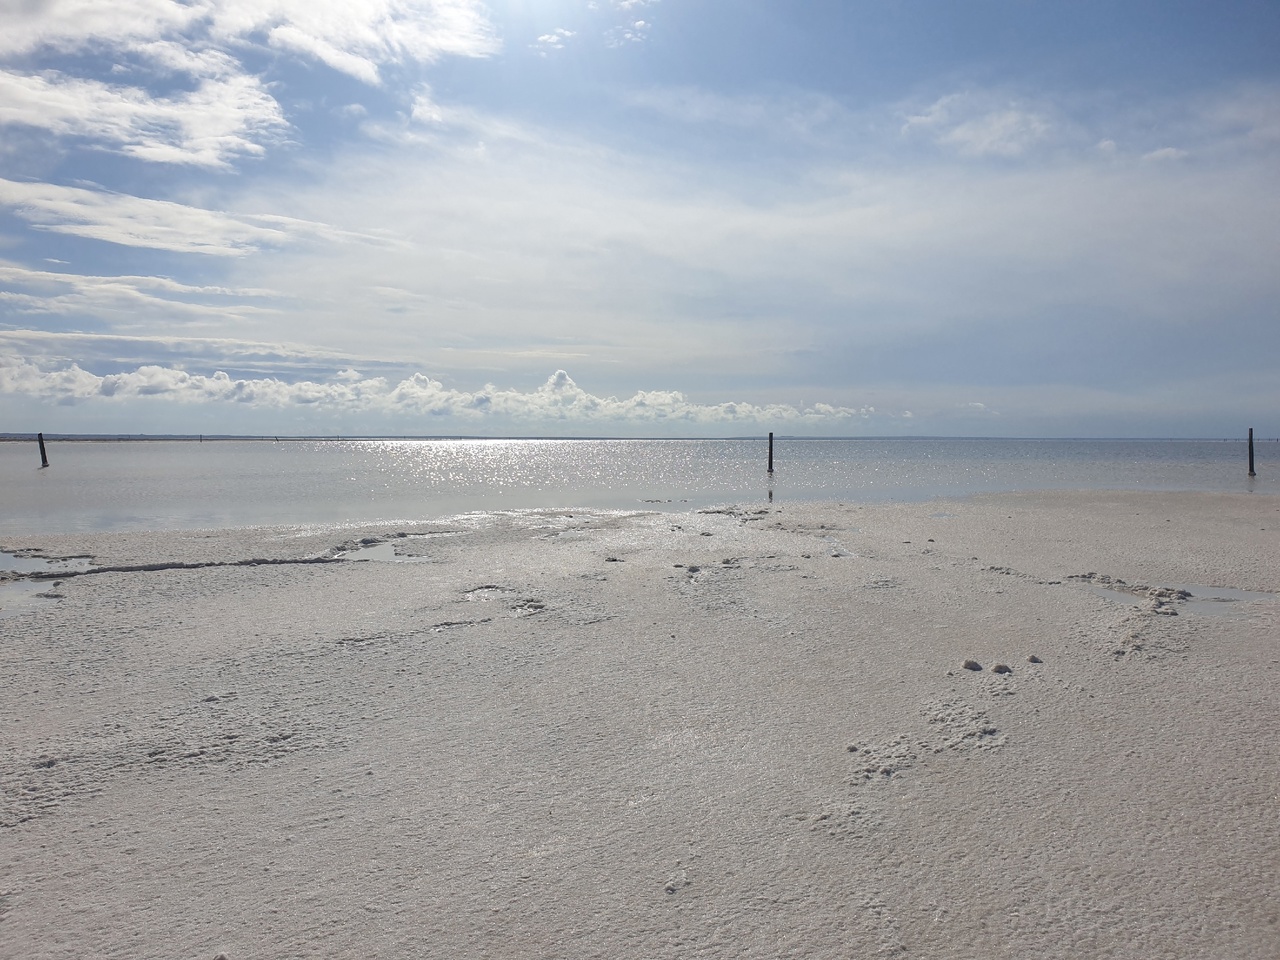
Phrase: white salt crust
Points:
(742, 733)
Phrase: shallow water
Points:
(19, 596)
(1203, 600)
(13, 563)
(157, 485)
(22, 595)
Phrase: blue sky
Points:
(640, 217)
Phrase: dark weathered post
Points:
(44, 457)
(771, 452)
(1251, 473)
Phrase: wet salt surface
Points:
(23, 595)
(14, 563)
(1208, 601)
(27, 581)
(19, 596)
(380, 552)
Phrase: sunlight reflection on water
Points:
(183, 485)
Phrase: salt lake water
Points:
(166, 485)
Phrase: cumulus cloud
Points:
(552, 41)
(559, 401)
(635, 31)
(634, 27)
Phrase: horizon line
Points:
(27, 437)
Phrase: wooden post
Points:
(771, 452)
(1251, 473)
(44, 457)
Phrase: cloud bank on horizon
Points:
(413, 216)
(354, 399)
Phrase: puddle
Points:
(1207, 601)
(22, 596)
(1219, 601)
(12, 563)
(380, 552)
(1117, 596)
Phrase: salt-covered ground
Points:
(745, 733)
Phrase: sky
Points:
(640, 217)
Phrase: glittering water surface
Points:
(183, 485)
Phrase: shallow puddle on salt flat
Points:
(19, 596)
(1219, 601)
(1209, 601)
(11, 562)
(381, 552)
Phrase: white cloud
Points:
(559, 252)
(800, 114)
(224, 117)
(126, 301)
(67, 25)
(158, 224)
(634, 28)
(636, 31)
(1250, 114)
(55, 350)
(558, 401)
(552, 41)
(229, 113)
(977, 126)
(1165, 153)
(424, 108)
(1225, 125)
(133, 221)
(358, 36)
